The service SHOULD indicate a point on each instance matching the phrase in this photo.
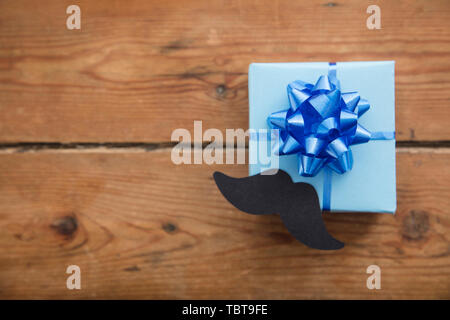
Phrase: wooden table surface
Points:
(86, 118)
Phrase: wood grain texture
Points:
(141, 227)
(139, 69)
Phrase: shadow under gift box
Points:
(371, 185)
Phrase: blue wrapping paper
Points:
(370, 184)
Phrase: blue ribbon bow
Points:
(320, 125)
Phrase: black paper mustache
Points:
(296, 203)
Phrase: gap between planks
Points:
(440, 147)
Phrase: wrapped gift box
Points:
(370, 186)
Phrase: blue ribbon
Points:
(320, 126)
(327, 190)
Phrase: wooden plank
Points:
(139, 69)
(141, 227)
